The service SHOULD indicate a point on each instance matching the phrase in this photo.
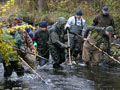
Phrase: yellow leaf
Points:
(3, 10)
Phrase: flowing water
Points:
(76, 77)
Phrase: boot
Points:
(57, 66)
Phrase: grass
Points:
(51, 16)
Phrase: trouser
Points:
(29, 58)
(58, 56)
(75, 45)
(89, 50)
(43, 53)
(13, 67)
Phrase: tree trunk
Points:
(41, 5)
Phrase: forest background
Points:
(34, 11)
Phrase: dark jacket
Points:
(57, 37)
(102, 20)
(98, 35)
(42, 38)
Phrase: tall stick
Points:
(32, 54)
(42, 79)
(104, 52)
(32, 69)
(117, 44)
(69, 48)
(101, 50)
(38, 55)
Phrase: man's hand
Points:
(85, 39)
(67, 46)
(115, 36)
(67, 28)
(22, 51)
(33, 51)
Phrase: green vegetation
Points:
(66, 8)
(58, 8)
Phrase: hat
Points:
(79, 12)
(110, 29)
(43, 24)
(105, 9)
(18, 16)
(61, 20)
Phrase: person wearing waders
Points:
(28, 43)
(56, 42)
(42, 38)
(76, 25)
(98, 36)
(14, 64)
